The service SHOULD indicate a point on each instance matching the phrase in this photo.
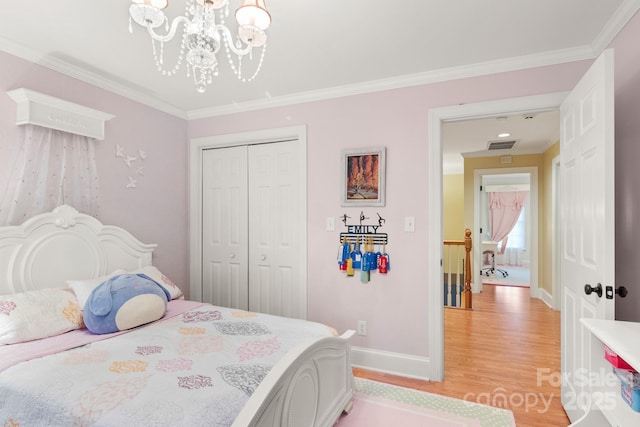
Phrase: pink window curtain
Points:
(504, 210)
(52, 168)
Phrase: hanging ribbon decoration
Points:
(357, 250)
(344, 252)
(384, 262)
(365, 275)
(356, 256)
(350, 271)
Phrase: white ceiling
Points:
(318, 49)
(533, 133)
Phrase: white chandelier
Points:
(204, 33)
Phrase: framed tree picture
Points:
(363, 177)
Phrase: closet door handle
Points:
(232, 255)
(263, 257)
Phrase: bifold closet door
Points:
(252, 226)
(274, 230)
(224, 227)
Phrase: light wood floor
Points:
(505, 352)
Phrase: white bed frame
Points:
(311, 386)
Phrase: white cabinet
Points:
(623, 338)
(253, 228)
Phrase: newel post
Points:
(466, 293)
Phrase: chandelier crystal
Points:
(204, 33)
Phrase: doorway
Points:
(435, 312)
(482, 176)
(511, 260)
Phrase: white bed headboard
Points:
(61, 245)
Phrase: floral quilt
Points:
(195, 369)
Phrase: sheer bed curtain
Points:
(507, 224)
(52, 168)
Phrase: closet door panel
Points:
(274, 239)
(224, 228)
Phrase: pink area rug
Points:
(372, 411)
(377, 404)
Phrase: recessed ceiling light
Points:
(504, 135)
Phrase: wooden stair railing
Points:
(466, 293)
(456, 270)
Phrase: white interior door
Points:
(224, 227)
(587, 226)
(275, 247)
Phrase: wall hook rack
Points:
(358, 233)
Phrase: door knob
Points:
(232, 255)
(263, 257)
(622, 291)
(588, 289)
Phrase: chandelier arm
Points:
(172, 30)
(227, 35)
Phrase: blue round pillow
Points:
(124, 302)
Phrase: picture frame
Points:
(363, 177)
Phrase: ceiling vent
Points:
(501, 145)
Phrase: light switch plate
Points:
(410, 223)
(331, 225)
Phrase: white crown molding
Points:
(498, 153)
(622, 15)
(551, 141)
(135, 94)
(445, 74)
(54, 113)
(615, 24)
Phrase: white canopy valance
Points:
(54, 113)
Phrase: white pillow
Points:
(83, 288)
(163, 280)
(38, 314)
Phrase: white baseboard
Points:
(546, 297)
(404, 365)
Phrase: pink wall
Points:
(394, 306)
(155, 211)
(627, 131)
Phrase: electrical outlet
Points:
(362, 327)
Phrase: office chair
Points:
(490, 249)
